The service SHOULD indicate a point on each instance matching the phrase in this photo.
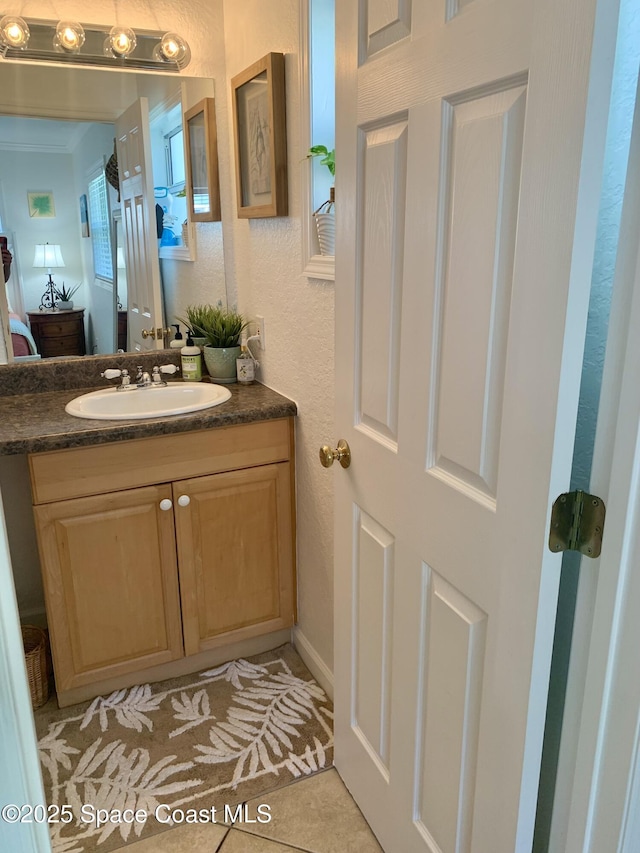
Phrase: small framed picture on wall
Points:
(261, 138)
(84, 216)
(41, 204)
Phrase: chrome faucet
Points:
(143, 379)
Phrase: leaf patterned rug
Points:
(183, 750)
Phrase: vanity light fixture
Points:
(91, 44)
(14, 32)
(48, 256)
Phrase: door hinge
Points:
(577, 523)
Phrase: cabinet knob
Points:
(184, 500)
(165, 504)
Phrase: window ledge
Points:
(176, 253)
(321, 266)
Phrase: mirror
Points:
(56, 134)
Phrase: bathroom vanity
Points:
(163, 542)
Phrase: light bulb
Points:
(69, 36)
(14, 31)
(170, 48)
(173, 48)
(122, 41)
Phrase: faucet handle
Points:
(113, 373)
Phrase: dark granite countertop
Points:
(36, 421)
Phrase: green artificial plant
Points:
(64, 293)
(220, 326)
(194, 317)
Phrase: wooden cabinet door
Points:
(235, 555)
(111, 584)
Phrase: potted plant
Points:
(194, 318)
(221, 327)
(324, 216)
(64, 296)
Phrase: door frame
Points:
(599, 698)
(21, 780)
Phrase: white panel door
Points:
(470, 147)
(144, 296)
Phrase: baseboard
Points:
(313, 661)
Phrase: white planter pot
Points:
(221, 363)
(326, 225)
(61, 305)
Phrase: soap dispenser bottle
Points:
(245, 364)
(178, 341)
(191, 360)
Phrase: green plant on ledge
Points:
(324, 216)
(64, 293)
(221, 327)
(328, 157)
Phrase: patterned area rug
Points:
(188, 750)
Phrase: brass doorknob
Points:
(341, 454)
(158, 333)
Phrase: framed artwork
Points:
(259, 123)
(41, 204)
(201, 143)
(84, 216)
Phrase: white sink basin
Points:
(177, 398)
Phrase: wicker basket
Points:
(34, 641)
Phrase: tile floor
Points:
(313, 815)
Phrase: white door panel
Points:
(144, 299)
(457, 387)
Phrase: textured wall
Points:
(298, 316)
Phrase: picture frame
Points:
(84, 216)
(41, 204)
(260, 134)
(201, 148)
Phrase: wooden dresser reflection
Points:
(58, 332)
